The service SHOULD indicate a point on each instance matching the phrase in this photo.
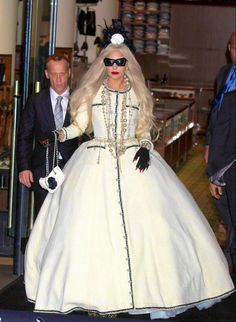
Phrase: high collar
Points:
(115, 90)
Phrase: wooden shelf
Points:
(7, 60)
(131, 23)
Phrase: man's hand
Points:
(26, 178)
(46, 138)
(216, 191)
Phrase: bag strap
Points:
(55, 151)
(55, 155)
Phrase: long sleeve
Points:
(208, 134)
(145, 135)
(217, 86)
(25, 137)
(78, 127)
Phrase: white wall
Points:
(19, 33)
(8, 21)
(8, 24)
(65, 23)
(105, 9)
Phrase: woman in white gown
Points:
(118, 235)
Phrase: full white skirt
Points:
(112, 239)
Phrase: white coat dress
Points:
(112, 239)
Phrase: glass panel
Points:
(40, 37)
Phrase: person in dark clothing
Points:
(220, 153)
(39, 117)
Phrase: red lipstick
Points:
(115, 73)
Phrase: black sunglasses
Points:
(118, 62)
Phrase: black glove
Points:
(45, 139)
(142, 155)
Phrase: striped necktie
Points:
(226, 88)
(58, 113)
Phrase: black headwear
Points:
(115, 28)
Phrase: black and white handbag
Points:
(55, 178)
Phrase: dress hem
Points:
(140, 310)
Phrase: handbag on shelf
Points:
(55, 178)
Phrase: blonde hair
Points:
(82, 97)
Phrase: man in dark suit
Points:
(38, 117)
(221, 150)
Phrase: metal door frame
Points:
(22, 209)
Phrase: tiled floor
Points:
(193, 175)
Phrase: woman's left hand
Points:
(143, 157)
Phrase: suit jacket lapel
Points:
(48, 113)
(67, 119)
(225, 76)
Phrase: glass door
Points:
(38, 30)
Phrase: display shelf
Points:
(7, 61)
(147, 24)
(6, 242)
(201, 94)
(174, 120)
(4, 178)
